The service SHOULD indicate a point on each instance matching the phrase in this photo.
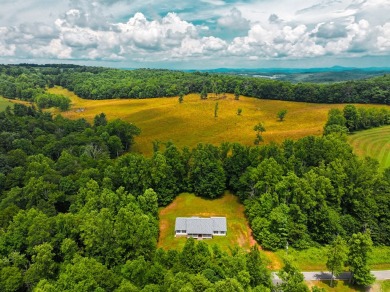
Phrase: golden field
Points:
(193, 121)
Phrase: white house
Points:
(200, 228)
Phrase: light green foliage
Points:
(239, 111)
(260, 180)
(216, 107)
(228, 285)
(86, 274)
(272, 232)
(293, 280)
(127, 286)
(258, 272)
(372, 143)
(317, 289)
(337, 256)
(148, 202)
(360, 246)
(385, 286)
(69, 249)
(43, 265)
(4, 104)
(11, 279)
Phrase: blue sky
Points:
(181, 34)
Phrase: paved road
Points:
(312, 276)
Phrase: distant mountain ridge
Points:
(293, 70)
(295, 75)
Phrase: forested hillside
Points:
(79, 211)
(27, 82)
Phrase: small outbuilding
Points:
(200, 228)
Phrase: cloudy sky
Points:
(185, 34)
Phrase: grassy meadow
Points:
(193, 121)
(374, 143)
(314, 258)
(341, 286)
(4, 103)
(385, 286)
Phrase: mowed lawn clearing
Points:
(374, 143)
(339, 286)
(314, 258)
(188, 205)
(4, 103)
(193, 121)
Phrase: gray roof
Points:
(219, 223)
(181, 223)
(197, 225)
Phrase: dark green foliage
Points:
(203, 94)
(207, 174)
(237, 93)
(282, 114)
(353, 119)
(259, 128)
(27, 81)
(100, 120)
(48, 100)
(181, 97)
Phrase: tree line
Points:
(26, 81)
(352, 119)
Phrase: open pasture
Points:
(374, 143)
(314, 258)
(193, 121)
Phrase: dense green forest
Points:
(79, 210)
(28, 82)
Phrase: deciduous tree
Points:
(360, 245)
(337, 256)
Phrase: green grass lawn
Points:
(4, 103)
(339, 286)
(374, 143)
(187, 205)
(385, 286)
(314, 259)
